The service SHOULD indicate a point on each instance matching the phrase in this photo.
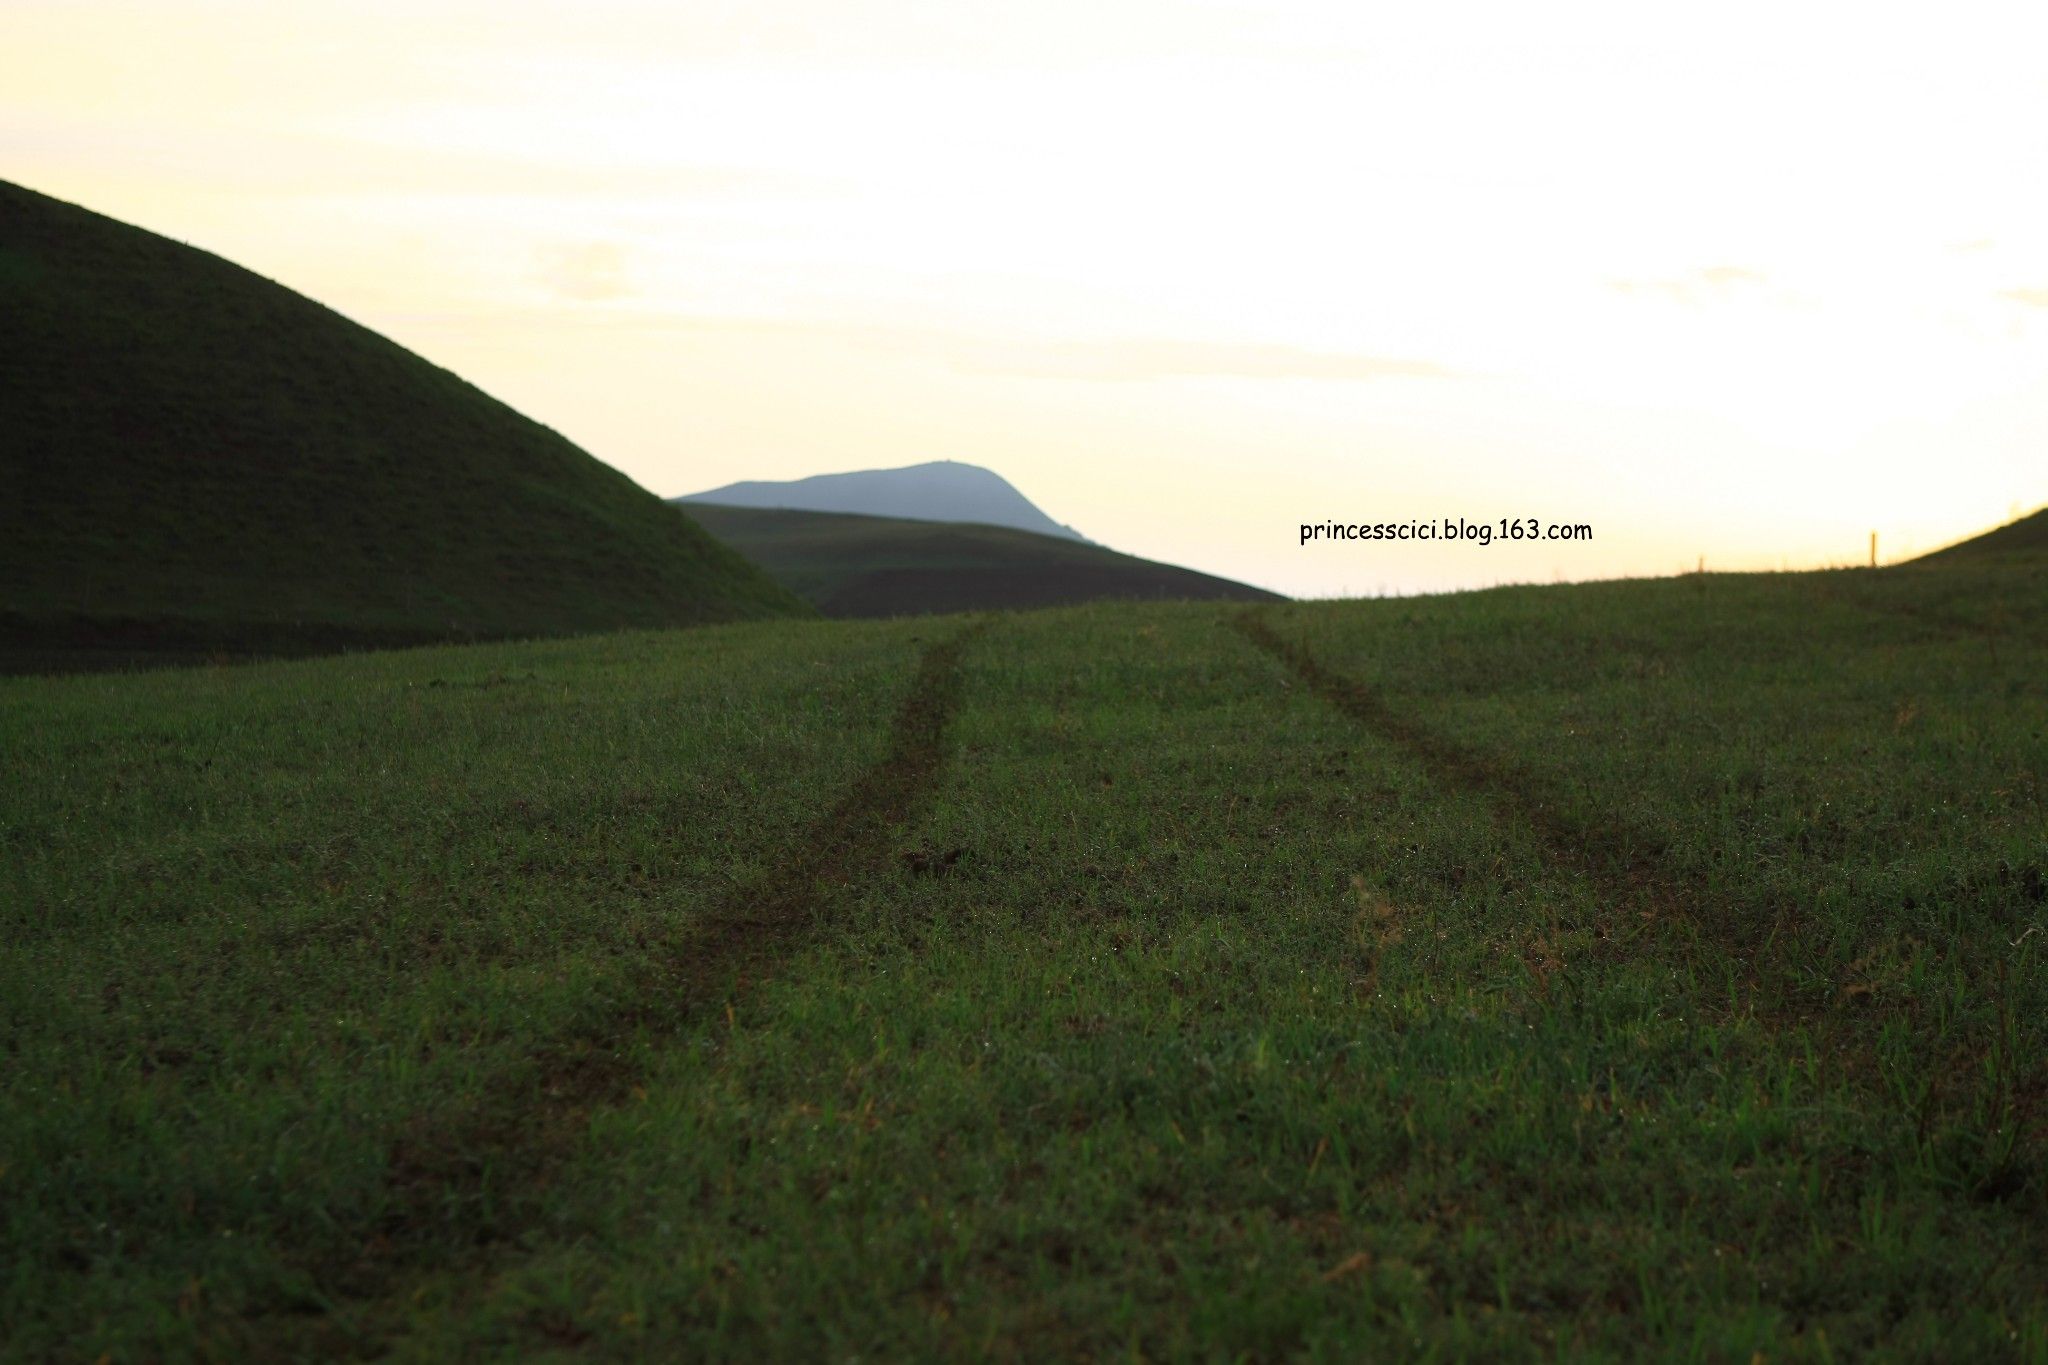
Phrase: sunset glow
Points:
(1746, 288)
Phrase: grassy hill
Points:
(197, 459)
(1626, 971)
(2026, 537)
(886, 566)
(938, 490)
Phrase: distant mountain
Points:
(943, 490)
(881, 566)
(2028, 535)
(196, 460)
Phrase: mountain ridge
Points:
(936, 490)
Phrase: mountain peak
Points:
(937, 490)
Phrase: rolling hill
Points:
(892, 566)
(198, 460)
(942, 490)
(2028, 535)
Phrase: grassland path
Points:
(1972, 1090)
(472, 1178)
(744, 936)
(1626, 866)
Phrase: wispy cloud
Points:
(1151, 359)
(1705, 285)
(288, 162)
(1731, 274)
(2033, 298)
(587, 272)
(1128, 359)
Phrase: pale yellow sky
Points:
(1747, 282)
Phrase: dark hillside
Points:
(199, 460)
(885, 566)
(2027, 536)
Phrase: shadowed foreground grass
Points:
(1604, 972)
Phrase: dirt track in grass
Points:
(479, 1169)
(756, 926)
(1626, 866)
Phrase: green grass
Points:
(859, 566)
(1625, 971)
(198, 461)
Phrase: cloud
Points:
(1705, 285)
(287, 162)
(1977, 244)
(1130, 359)
(1730, 274)
(1151, 359)
(2033, 298)
(587, 272)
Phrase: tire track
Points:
(1633, 870)
(740, 941)
(1625, 865)
(473, 1177)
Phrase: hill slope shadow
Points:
(850, 566)
(200, 460)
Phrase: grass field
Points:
(856, 566)
(1622, 971)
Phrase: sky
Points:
(1737, 283)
